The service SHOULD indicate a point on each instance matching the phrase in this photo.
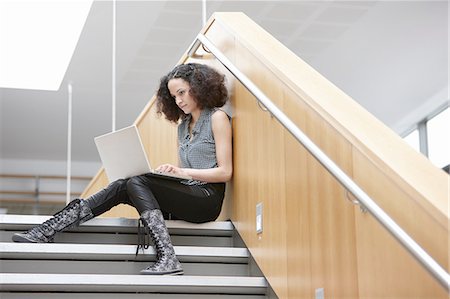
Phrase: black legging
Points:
(147, 192)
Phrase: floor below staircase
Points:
(98, 260)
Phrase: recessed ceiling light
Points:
(37, 41)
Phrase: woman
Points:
(191, 93)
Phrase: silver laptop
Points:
(123, 155)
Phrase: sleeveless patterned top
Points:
(199, 151)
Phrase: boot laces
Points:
(49, 224)
(143, 236)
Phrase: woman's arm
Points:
(221, 128)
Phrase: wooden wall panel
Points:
(159, 138)
(319, 247)
(381, 259)
(298, 213)
(326, 235)
(326, 244)
(259, 175)
(99, 181)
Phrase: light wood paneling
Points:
(159, 138)
(96, 184)
(308, 239)
(260, 179)
(327, 244)
(381, 259)
(326, 232)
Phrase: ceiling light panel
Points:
(38, 40)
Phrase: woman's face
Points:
(179, 90)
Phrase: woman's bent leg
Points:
(75, 213)
(166, 261)
(140, 194)
(196, 203)
(114, 194)
(192, 203)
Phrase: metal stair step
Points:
(34, 295)
(129, 238)
(121, 225)
(118, 252)
(131, 283)
(97, 260)
(117, 267)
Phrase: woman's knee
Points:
(136, 184)
(108, 197)
(140, 193)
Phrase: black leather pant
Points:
(176, 200)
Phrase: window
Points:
(413, 140)
(439, 139)
(432, 138)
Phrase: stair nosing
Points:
(113, 251)
(11, 222)
(125, 283)
(131, 279)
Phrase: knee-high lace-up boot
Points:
(75, 213)
(166, 260)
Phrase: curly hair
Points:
(207, 87)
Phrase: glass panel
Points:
(438, 139)
(413, 140)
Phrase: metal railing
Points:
(364, 200)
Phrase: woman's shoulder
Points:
(219, 115)
(220, 120)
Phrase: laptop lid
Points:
(122, 153)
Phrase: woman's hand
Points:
(171, 169)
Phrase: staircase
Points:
(97, 260)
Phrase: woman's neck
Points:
(195, 116)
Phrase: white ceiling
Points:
(390, 56)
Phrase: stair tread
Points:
(21, 222)
(134, 283)
(115, 252)
(109, 256)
